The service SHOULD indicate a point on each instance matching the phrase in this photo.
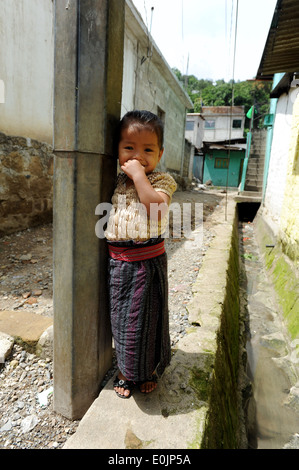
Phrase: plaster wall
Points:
(278, 162)
(26, 68)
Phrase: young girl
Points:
(138, 281)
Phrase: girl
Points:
(138, 284)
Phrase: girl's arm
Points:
(148, 196)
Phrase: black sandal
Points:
(126, 384)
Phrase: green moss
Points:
(200, 382)
(223, 420)
(283, 276)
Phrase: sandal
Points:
(153, 378)
(126, 384)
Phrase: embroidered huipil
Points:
(128, 219)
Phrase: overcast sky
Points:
(204, 31)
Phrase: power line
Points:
(232, 104)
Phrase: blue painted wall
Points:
(218, 175)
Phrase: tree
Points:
(220, 93)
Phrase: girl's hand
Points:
(133, 168)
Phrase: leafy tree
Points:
(219, 93)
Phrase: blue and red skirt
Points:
(138, 291)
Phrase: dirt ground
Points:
(26, 271)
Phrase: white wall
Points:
(195, 136)
(278, 161)
(149, 83)
(223, 122)
(26, 68)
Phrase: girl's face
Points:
(141, 145)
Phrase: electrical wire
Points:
(232, 104)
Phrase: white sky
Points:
(204, 31)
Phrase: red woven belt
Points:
(136, 254)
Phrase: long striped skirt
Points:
(139, 316)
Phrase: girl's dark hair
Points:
(143, 119)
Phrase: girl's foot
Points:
(149, 385)
(122, 386)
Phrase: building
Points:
(278, 217)
(195, 129)
(26, 102)
(280, 62)
(217, 134)
(223, 123)
(223, 162)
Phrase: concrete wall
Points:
(149, 83)
(289, 226)
(26, 68)
(278, 162)
(223, 116)
(218, 176)
(195, 135)
(281, 206)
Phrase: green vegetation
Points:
(219, 93)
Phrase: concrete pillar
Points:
(89, 37)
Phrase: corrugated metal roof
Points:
(281, 52)
(222, 109)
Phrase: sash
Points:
(136, 254)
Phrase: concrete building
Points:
(223, 123)
(27, 109)
(223, 162)
(27, 74)
(195, 129)
(278, 221)
(281, 181)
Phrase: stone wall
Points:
(26, 174)
(217, 313)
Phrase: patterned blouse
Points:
(128, 218)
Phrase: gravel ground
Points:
(27, 419)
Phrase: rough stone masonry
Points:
(26, 174)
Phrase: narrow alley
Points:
(273, 410)
(26, 282)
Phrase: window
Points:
(237, 123)
(221, 163)
(210, 124)
(189, 125)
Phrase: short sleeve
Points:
(163, 182)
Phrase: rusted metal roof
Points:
(281, 52)
(222, 110)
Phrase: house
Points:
(149, 83)
(195, 129)
(223, 162)
(277, 224)
(26, 102)
(217, 134)
(280, 62)
(223, 123)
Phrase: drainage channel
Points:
(272, 423)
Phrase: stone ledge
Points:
(26, 328)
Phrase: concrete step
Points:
(249, 196)
(254, 179)
(253, 188)
(25, 327)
